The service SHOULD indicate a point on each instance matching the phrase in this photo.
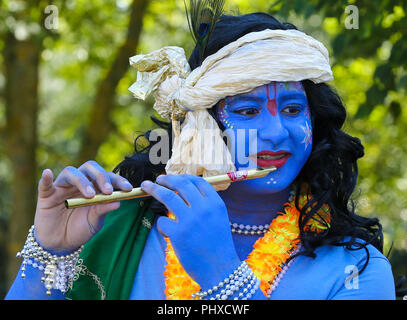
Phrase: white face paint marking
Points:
(308, 134)
(271, 181)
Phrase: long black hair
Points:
(330, 172)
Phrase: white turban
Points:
(251, 61)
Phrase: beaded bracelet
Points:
(235, 283)
(236, 273)
(250, 289)
(252, 284)
(243, 275)
(58, 270)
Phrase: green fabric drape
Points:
(108, 263)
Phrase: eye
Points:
(247, 111)
(292, 109)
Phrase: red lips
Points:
(271, 162)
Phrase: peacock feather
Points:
(202, 17)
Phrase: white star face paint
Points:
(308, 135)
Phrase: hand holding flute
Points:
(71, 209)
(58, 228)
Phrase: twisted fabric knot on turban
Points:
(164, 71)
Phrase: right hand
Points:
(58, 228)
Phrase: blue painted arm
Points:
(31, 287)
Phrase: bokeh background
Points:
(64, 95)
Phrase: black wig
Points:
(331, 171)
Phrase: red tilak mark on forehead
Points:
(271, 103)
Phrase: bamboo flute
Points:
(139, 193)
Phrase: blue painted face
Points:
(269, 126)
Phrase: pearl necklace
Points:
(253, 229)
(247, 229)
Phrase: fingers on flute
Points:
(119, 182)
(105, 181)
(204, 187)
(182, 184)
(169, 198)
(70, 176)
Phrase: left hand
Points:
(200, 235)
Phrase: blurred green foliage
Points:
(369, 65)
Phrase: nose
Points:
(273, 130)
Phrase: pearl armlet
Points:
(58, 270)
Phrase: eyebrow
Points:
(292, 95)
(247, 98)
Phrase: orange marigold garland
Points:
(269, 255)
